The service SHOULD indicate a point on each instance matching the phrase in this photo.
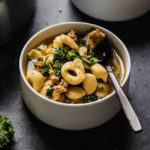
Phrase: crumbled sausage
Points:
(95, 37)
(83, 52)
(61, 98)
(72, 34)
(62, 87)
(54, 78)
(39, 64)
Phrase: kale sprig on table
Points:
(6, 132)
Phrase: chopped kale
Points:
(60, 55)
(59, 60)
(45, 71)
(56, 64)
(90, 62)
(6, 132)
(57, 71)
(72, 54)
(90, 30)
(93, 60)
(49, 92)
(90, 98)
(85, 60)
(92, 54)
(57, 68)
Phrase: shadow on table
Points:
(109, 136)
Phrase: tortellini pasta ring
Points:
(77, 67)
(83, 51)
(49, 59)
(64, 39)
(99, 71)
(36, 79)
(47, 84)
(89, 83)
(103, 89)
(34, 54)
(75, 92)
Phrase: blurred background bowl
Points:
(13, 16)
(113, 10)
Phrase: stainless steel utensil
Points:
(105, 52)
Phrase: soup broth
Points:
(64, 68)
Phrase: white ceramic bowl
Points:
(71, 116)
(113, 10)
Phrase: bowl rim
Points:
(66, 104)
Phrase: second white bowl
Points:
(113, 10)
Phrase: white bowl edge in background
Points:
(113, 10)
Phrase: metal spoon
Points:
(104, 53)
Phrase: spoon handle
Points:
(127, 108)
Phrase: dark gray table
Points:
(32, 134)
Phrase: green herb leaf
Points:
(90, 30)
(49, 92)
(85, 60)
(90, 98)
(57, 64)
(92, 54)
(45, 71)
(60, 55)
(72, 54)
(93, 60)
(57, 71)
(6, 131)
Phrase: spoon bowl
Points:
(104, 52)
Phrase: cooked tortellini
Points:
(36, 79)
(66, 68)
(99, 71)
(34, 54)
(47, 84)
(49, 59)
(75, 92)
(77, 68)
(89, 83)
(83, 51)
(103, 90)
(64, 39)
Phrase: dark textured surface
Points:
(32, 134)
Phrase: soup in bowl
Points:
(64, 83)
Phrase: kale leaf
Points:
(57, 70)
(49, 92)
(59, 60)
(90, 98)
(90, 30)
(6, 131)
(72, 54)
(60, 55)
(45, 71)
